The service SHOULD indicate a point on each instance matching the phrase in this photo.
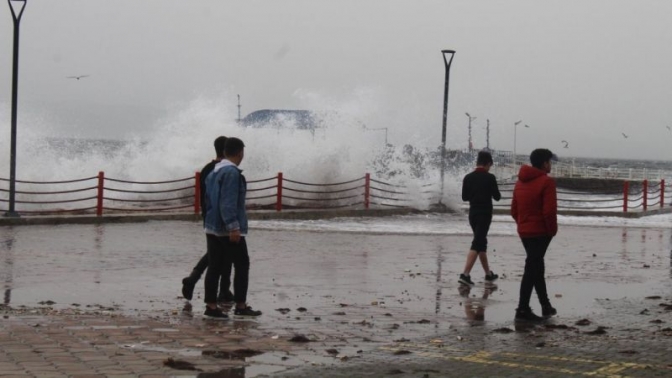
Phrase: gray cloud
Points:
(581, 71)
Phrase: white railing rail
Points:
(504, 169)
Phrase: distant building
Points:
(300, 119)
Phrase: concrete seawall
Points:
(614, 186)
(145, 217)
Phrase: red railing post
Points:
(626, 189)
(662, 193)
(278, 201)
(645, 199)
(367, 190)
(197, 193)
(101, 187)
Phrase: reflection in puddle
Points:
(239, 354)
(187, 352)
(226, 373)
(474, 308)
(439, 263)
(8, 267)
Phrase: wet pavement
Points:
(372, 297)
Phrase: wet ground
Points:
(374, 297)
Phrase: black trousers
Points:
(480, 225)
(202, 265)
(533, 277)
(222, 253)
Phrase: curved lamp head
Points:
(516, 123)
(448, 52)
(16, 14)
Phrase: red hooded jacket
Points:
(534, 205)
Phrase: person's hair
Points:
(484, 158)
(233, 147)
(219, 146)
(540, 156)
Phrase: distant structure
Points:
(239, 108)
(303, 119)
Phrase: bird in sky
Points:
(624, 136)
(669, 128)
(77, 77)
(566, 143)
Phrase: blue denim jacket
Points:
(225, 204)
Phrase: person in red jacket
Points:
(534, 208)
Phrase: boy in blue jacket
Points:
(226, 229)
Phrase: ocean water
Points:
(176, 147)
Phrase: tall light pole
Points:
(471, 145)
(16, 15)
(238, 108)
(447, 62)
(515, 127)
(487, 136)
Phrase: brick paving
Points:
(47, 343)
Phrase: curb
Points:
(191, 217)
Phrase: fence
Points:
(635, 195)
(100, 194)
(561, 169)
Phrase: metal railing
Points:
(103, 195)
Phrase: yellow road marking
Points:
(609, 370)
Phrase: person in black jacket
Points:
(479, 188)
(189, 282)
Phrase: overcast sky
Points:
(582, 71)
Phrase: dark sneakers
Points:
(490, 277)
(547, 311)
(215, 313)
(466, 280)
(526, 315)
(188, 285)
(246, 312)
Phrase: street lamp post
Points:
(447, 62)
(515, 127)
(16, 15)
(471, 145)
(487, 136)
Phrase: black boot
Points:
(547, 311)
(526, 315)
(188, 285)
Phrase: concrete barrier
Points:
(182, 216)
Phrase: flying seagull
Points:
(624, 136)
(566, 143)
(77, 77)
